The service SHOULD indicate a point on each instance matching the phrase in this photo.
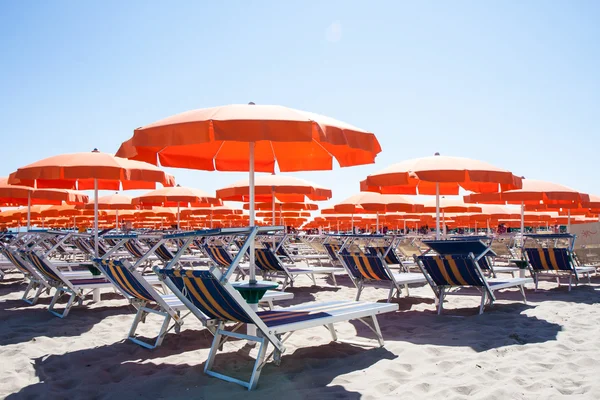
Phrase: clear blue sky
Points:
(514, 83)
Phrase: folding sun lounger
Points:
(444, 272)
(207, 294)
(73, 284)
(36, 281)
(270, 264)
(372, 269)
(146, 299)
(555, 262)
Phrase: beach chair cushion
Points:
(555, 259)
(452, 270)
(207, 294)
(122, 277)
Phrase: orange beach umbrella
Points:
(440, 175)
(93, 170)
(251, 138)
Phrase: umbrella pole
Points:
(96, 217)
(28, 210)
(569, 221)
(437, 211)
(117, 219)
(404, 227)
(444, 224)
(177, 215)
(522, 220)
(251, 184)
(377, 223)
(273, 210)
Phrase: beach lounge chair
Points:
(464, 247)
(35, 281)
(555, 262)
(444, 272)
(145, 299)
(73, 285)
(270, 264)
(207, 294)
(372, 269)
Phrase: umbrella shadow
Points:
(123, 370)
(501, 325)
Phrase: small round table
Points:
(253, 292)
(522, 264)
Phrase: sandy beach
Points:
(549, 348)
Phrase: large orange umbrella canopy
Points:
(284, 188)
(281, 206)
(451, 205)
(113, 201)
(218, 138)
(421, 175)
(19, 195)
(79, 170)
(63, 210)
(176, 196)
(375, 202)
(214, 211)
(534, 192)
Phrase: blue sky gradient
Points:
(512, 83)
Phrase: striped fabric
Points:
(266, 260)
(219, 255)
(451, 270)
(101, 248)
(163, 253)
(555, 259)
(81, 245)
(133, 249)
(390, 258)
(367, 266)
(110, 242)
(43, 267)
(332, 250)
(16, 261)
(207, 294)
(122, 277)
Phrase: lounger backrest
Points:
(111, 242)
(16, 261)
(124, 279)
(164, 253)
(368, 266)
(556, 259)
(452, 270)
(133, 248)
(390, 257)
(207, 294)
(332, 250)
(266, 260)
(81, 245)
(101, 248)
(218, 254)
(42, 266)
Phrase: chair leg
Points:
(407, 292)
(441, 300)
(29, 287)
(522, 289)
(570, 281)
(483, 298)
(391, 293)
(57, 295)
(536, 280)
(334, 281)
(312, 276)
(358, 292)
(333, 332)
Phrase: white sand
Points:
(547, 349)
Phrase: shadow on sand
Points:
(122, 370)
